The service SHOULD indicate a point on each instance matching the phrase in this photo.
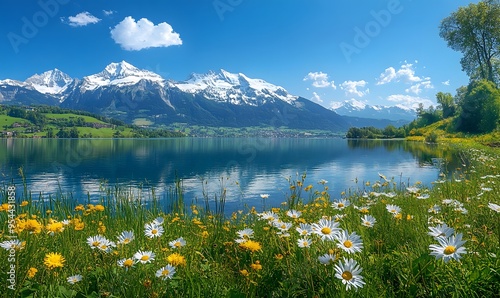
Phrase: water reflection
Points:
(246, 167)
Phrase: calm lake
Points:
(245, 167)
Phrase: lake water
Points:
(245, 167)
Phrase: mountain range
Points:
(356, 108)
(133, 95)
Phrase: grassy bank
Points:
(313, 246)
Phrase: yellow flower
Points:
(31, 272)
(251, 245)
(30, 225)
(4, 207)
(176, 259)
(278, 256)
(54, 227)
(79, 208)
(102, 228)
(99, 208)
(78, 223)
(398, 216)
(409, 217)
(53, 260)
(244, 272)
(204, 234)
(48, 212)
(24, 203)
(256, 266)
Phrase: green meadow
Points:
(381, 239)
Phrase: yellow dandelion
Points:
(54, 260)
(24, 203)
(176, 259)
(48, 212)
(80, 208)
(256, 266)
(33, 226)
(99, 208)
(204, 234)
(4, 207)
(244, 272)
(278, 256)
(54, 227)
(251, 245)
(32, 272)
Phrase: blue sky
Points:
(383, 52)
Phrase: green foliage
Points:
(389, 132)
(480, 110)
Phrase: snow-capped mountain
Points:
(234, 88)
(119, 74)
(50, 82)
(356, 108)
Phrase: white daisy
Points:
(327, 259)
(12, 244)
(245, 233)
(368, 221)
(126, 263)
(126, 237)
(95, 241)
(393, 209)
(435, 209)
(152, 230)
(325, 228)
(283, 226)
(349, 243)
(74, 279)
(304, 229)
(177, 243)
(158, 221)
(144, 256)
(166, 272)
(494, 207)
(106, 245)
(339, 205)
(293, 213)
(304, 242)
(448, 248)
(348, 271)
(268, 215)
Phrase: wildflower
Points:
(322, 181)
(304, 242)
(363, 209)
(393, 209)
(293, 213)
(244, 272)
(325, 228)
(126, 263)
(423, 196)
(176, 259)
(99, 208)
(95, 241)
(278, 256)
(54, 260)
(339, 205)
(5, 207)
(12, 244)
(435, 209)
(106, 245)
(31, 225)
(348, 272)
(144, 256)
(448, 248)
(79, 208)
(74, 279)
(32, 272)
(251, 245)
(126, 237)
(256, 266)
(283, 226)
(245, 233)
(409, 217)
(268, 215)
(327, 259)
(54, 227)
(264, 195)
(166, 272)
(304, 229)
(494, 207)
(24, 203)
(204, 234)
(339, 217)
(177, 243)
(368, 221)
(349, 243)
(158, 221)
(152, 230)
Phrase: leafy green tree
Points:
(475, 31)
(446, 104)
(480, 108)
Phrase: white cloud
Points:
(108, 12)
(409, 101)
(351, 88)
(82, 19)
(320, 80)
(446, 83)
(417, 88)
(406, 74)
(316, 98)
(143, 34)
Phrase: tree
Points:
(480, 108)
(475, 31)
(446, 104)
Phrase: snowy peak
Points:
(50, 82)
(234, 88)
(355, 108)
(120, 74)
